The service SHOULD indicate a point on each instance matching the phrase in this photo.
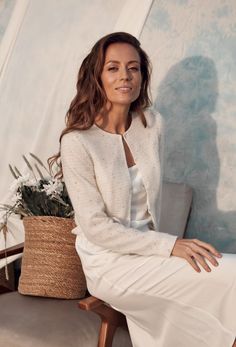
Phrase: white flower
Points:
(54, 187)
(31, 183)
(16, 197)
(18, 182)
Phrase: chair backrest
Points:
(175, 208)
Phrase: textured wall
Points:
(6, 7)
(192, 45)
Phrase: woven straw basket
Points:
(51, 266)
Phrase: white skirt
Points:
(165, 301)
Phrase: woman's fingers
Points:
(193, 263)
(202, 262)
(197, 255)
(199, 250)
(207, 246)
(196, 252)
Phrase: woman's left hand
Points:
(196, 252)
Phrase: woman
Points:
(174, 292)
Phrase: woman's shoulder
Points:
(71, 136)
(73, 146)
(80, 139)
(78, 134)
(72, 139)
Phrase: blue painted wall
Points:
(6, 8)
(192, 45)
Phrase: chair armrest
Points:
(105, 311)
(17, 249)
(90, 303)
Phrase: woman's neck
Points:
(114, 121)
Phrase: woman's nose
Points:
(125, 74)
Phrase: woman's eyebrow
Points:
(117, 62)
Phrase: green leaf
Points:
(39, 161)
(57, 198)
(17, 171)
(22, 211)
(27, 163)
(2, 226)
(29, 166)
(6, 205)
(12, 171)
(39, 172)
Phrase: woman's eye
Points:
(134, 68)
(115, 68)
(112, 68)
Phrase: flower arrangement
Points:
(35, 194)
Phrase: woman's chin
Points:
(122, 101)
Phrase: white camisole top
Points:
(140, 217)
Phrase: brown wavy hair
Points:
(91, 98)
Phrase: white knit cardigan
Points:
(98, 182)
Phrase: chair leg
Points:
(106, 335)
(111, 319)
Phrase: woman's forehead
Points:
(117, 52)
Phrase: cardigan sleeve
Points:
(89, 207)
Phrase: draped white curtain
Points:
(40, 54)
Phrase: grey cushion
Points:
(27, 321)
(176, 203)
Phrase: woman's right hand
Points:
(196, 252)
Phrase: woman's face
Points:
(121, 75)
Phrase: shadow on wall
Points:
(186, 99)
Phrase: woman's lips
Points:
(124, 89)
